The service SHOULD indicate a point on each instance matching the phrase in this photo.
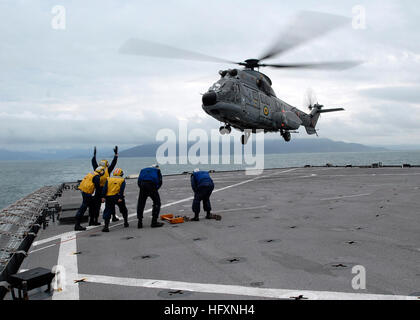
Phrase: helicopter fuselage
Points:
(244, 99)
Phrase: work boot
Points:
(156, 224)
(208, 215)
(139, 224)
(96, 223)
(115, 219)
(126, 225)
(91, 223)
(77, 226)
(106, 229)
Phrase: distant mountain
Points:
(272, 147)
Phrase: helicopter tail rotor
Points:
(311, 102)
(310, 99)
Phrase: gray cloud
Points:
(409, 94)
(72, 87)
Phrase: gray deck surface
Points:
(298, 229)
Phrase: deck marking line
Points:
(238, 209)
(68, 260)
(46, 247)
(352, 196)
(73, 233)
(239, 290)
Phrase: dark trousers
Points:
(148, 189)
(90, 202)
(203, 193)
(110, 203)
(97, 207)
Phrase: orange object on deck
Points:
(171, 219)
(176, 220)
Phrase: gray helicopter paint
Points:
(245, 100)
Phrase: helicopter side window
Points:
(255, 96)
(237, 94)
(247, 93)
(216, 87)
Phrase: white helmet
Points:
(155, 166)
(100, 170)
(196, 170)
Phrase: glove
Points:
(116, 149)
(94, 151)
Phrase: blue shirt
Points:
(201, 179)
(150, 174)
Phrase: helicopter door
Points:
(238, 98)
(252, 98)
(265, 107)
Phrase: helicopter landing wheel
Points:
(225, 130)
(286, 136)
(244, 138)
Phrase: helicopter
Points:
(244, 98)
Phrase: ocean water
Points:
(20, 178)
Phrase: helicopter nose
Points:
(209, 98)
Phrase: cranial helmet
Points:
(100, 170)
(118, 172)
(103, 163)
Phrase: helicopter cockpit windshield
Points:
(221, 85)
(224, 89)
(216, 87)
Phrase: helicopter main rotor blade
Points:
(153, 49)
(337, 65)
(306, 26)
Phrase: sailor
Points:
(203, 186)
(149, 182)
(89, 185)
(113, 193)
(108, 169)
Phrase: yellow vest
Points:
(87, 185)
(114, 186)
(103, 178)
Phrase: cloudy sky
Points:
(63, 88)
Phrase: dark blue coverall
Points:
(111, 201)
(149, 182)
(203, 186)
(91, 201)
(110, 169)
